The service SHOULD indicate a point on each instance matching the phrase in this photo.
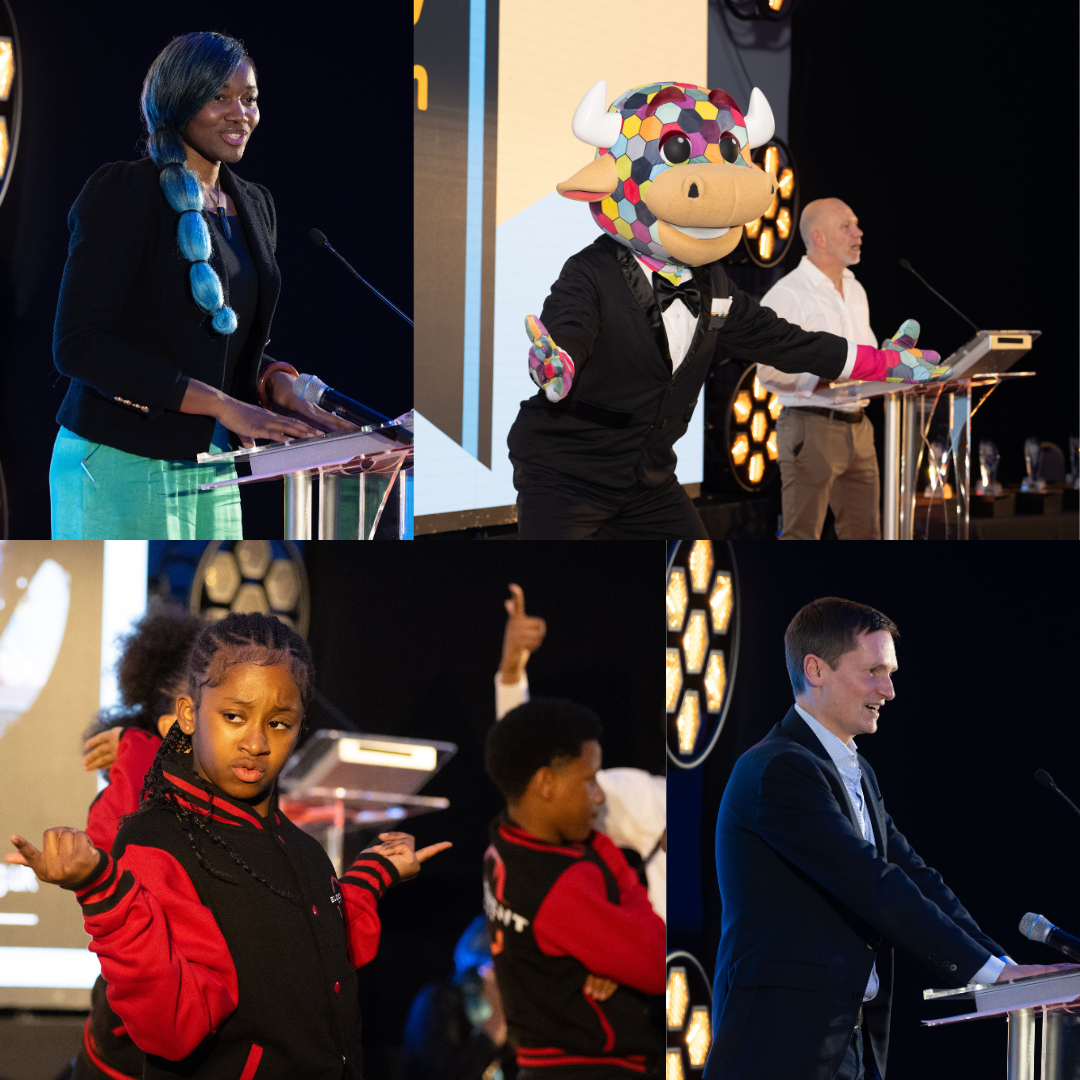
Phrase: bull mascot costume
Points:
(625, 339)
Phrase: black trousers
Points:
(858, 1059)
(552, 506)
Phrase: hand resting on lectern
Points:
(1026, 971)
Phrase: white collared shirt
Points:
(846, 758)
(807, 298)
(679, 323)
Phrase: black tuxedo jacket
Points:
(626, 408)
(127, 327)
(808, 905)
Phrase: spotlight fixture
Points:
(10, 94)
(750, 434)
(689, 1019)
(702, 647)
(768, 238)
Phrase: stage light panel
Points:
(775, 406)
(786, 183)
(759, 391)
(715, 681)
(783, 223)
(740, 448)
(688, 723)
(254, 557)
(251, 599)
(721, 602)
(678, 997)
(694, 642)
(674, 1065)
(771, 159)
(698, 1036)
(770, 446)
(752, 228)
(5, 144)
(674, 678)
(222, 578)
(765, 245)
(677, 598)
(282, 585)
(742, 407)
(757, 468)
(758, 426)
(701, 564)
(7, 68)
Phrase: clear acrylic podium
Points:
(981, 363)
(372, 455)
(1055, 999)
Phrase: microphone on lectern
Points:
(1047, 781)
(905, 265)
(1039, 928)
(311, 388)
(319, 240)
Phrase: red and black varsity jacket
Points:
(224, 979)
(555, 915)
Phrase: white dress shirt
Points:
(846, 758)
(679, 324)
(807, 298)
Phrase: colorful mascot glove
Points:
(672, 181)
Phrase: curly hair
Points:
(236, 639)
(152, 669)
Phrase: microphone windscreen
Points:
(317, 238)
(1035, 927)
(1044, 778)
(904, 264)
(309, 387)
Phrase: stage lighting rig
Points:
(768, 238)
(702, 647)
(10, 94)
(749, 434)
(689, 1016)
(252, 576)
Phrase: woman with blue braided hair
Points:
(164, 312)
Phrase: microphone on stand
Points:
(319, 240)
(312, 389)
(1047, 781)
(1039, 928)
(905, 265)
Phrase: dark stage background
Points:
(983, 699)
(410, 646)
(951, 133)
(333, 147)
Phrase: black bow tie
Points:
(666, 294)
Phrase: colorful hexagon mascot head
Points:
(672, 179)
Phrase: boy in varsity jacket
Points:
(575, 942)
(228, 944)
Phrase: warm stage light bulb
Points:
(698, 1036)
(739, 449)
(678, 997)
(752, 228)
(742, 406)
(758, 426)
(677, 599)
(765, 245)
(757, 468)
(770, 446)
(775, 406)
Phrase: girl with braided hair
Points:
(164, 311)
(228, 944)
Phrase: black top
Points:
(243, 282)
(626, 408)
(127, 328)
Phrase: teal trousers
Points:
(100, 493)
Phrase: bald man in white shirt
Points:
(825, 447)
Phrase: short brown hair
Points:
(828, 628)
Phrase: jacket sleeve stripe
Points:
(98, 877)
(106, 901)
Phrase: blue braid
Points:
(186, 75)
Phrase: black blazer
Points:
(626, 408)
(808, 905)
(127, 328)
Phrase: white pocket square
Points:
(721, 306)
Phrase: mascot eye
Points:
(676, 150)
(729, 148)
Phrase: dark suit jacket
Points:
(808, 905)
(127, 326)
(626, 408)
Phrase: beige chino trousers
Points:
(827, 463)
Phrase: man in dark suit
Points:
(818, 884)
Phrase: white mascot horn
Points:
(760, 125)
(594, 125)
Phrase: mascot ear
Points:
(599, 178)
(760, 125)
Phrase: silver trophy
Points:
(988, 466)
(1032, 458)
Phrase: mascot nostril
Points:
(627, 334)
